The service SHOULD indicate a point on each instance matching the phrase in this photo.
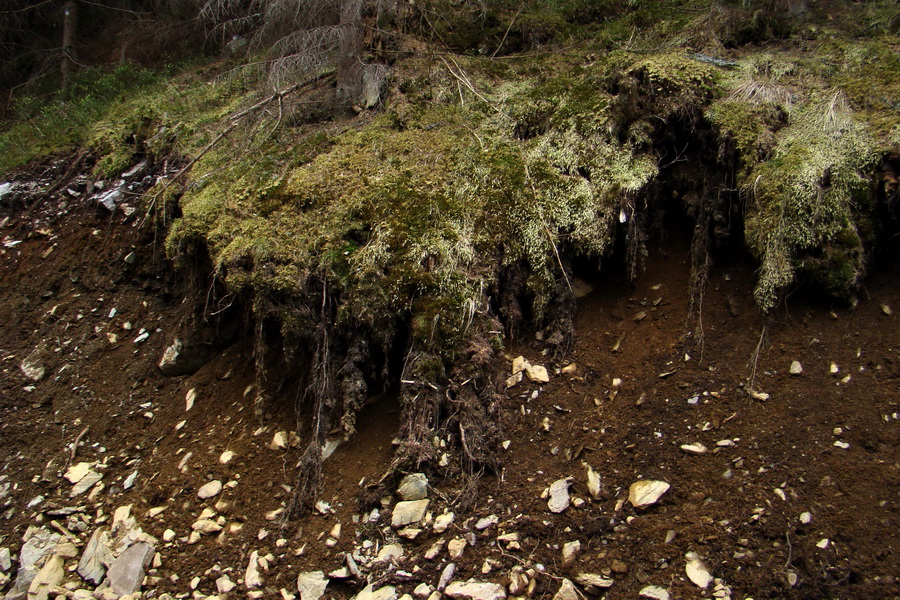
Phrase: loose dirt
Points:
(825, 442)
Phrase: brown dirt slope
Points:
(825, 442)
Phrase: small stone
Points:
(77, 472)
(475, 590)
(168, 535)
(442, 522)
(311, 585)
(646, 492)
(696, 571)
(834, 369)
(569, 369)
(190, 398)
(210, 490)
(513, 380)
(570, 552)
(617, 566)
(206, 527)
(518, 581)
(413, 487)
(654, 592)
(593, 483)
(485, 522)
(279, 441)
(252, 578)
(559, 495)
(792, 578)
(408, 512)
(519, 364)
(423, 590)
(694, 448)
(796, 368)
(224, 584)
(537, 374)
(806, 518)
(842, 445)
(226, 457)
(823, 543)
(5, 560)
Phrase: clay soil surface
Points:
(826, 441)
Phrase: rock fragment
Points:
(252, 578)
(696, 571)
(646, 492)
(311, 585)
(475, 590)
(697, 448)
(559, 495)
(570, 552)
(50, 576)
(442, 522)
(387, 592)
(413, 487)
(566, 591)
(593, 583)
(96, 557)
(796, 368)
(408, 512)
(127, 572)
(654, 592)
(210, 490)
(593, 483)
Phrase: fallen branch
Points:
(235, 121)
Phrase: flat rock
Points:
(96, 557)
(210, 490)
(475, 590)
(5, 560)
(387, 592)
(390, 553)
(654, 592)
(559, 495)
(76, 472)
(32, 368)
(127, 572)
(592, 581)
(413, 487)
(646, 492)
(50, 576)
(90, 479)
(694, 448)
(408, 512)
(566, 591)
(311, 585)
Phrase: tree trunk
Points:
(70, 26)
(349, 67)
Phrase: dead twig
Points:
(76, 442)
